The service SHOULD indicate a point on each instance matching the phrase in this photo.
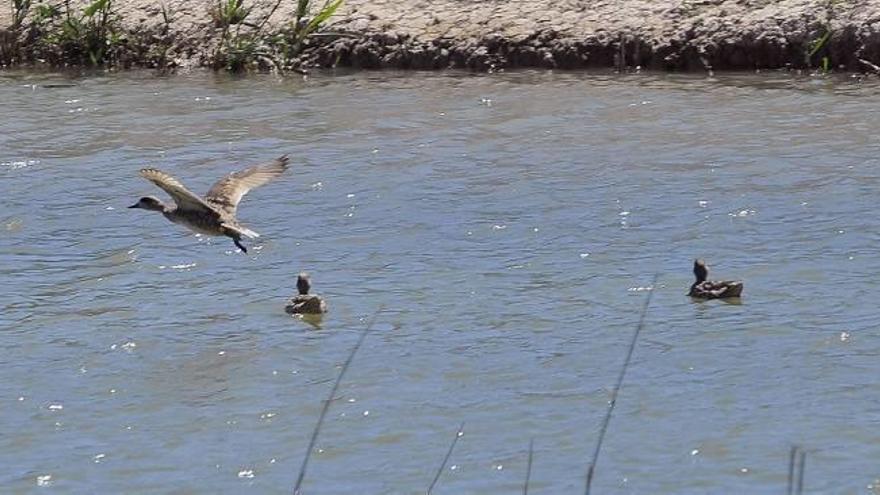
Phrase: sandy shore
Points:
(569, 34)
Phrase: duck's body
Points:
(214, 214)
(200, 223)
(709, 289)
(305, 303)
(308, 304)
(716, 289)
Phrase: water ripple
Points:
(510, 224)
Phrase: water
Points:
(506, 223)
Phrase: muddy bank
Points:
(492, 35)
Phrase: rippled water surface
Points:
(509, 224)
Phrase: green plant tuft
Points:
(244, 45)
(819, 43)
(89, 36)
(20, 10)
(229, 13)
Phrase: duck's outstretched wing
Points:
(184, 198)
(228, 191)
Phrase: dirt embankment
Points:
(567, 34)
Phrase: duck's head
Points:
(303, 284)
(701, 271)
(149, 203)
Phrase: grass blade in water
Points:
(458, 434)
(326, 406)
(607, 420)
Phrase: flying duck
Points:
(215, 213)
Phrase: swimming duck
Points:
(215, 213)
(707, 289)
(305, 303)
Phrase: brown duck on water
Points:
(305, 303)
(707, 289)
(215, 213)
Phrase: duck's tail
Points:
(733, 289)
(241, 231)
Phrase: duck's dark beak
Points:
(135, 205)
